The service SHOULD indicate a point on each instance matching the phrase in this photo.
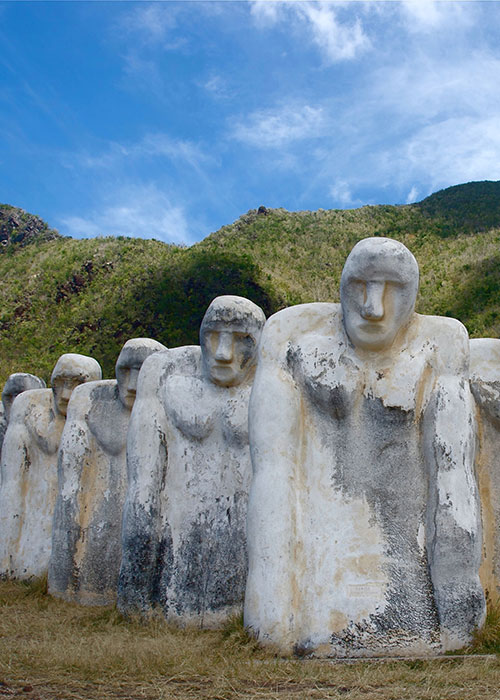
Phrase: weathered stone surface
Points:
(92, 482)
(15, 385)
(189, 472)
(29, 467)
(363, 525)
(485, 385)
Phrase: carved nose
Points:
(373, 307)
(224, 352)
(132, 381)
(66, 393)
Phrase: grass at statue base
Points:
(54, 650)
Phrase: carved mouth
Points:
(371, 327)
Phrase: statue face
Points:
(378, 289)
(228, 352)
(16, 384)
(126, 375)
(128, 365)
(62, 388)
(7, 400)
(71, 370)
(229, 334)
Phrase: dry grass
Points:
(49, 650)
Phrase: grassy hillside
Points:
(64, 295)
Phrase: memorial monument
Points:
(92, 483)
(364, 531)
(189, 473)
(485, 385)
(28, 485)
(15, 385)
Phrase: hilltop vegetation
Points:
(65, 295)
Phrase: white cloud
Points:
(150, 23)
(336, 40)
(216, 86)
(431, 15)
(266, 12)
(418, 125)
(138, 211)
(458, 149)
(280, 127)
(412, 195)
(144, 74)
(152, 145)
(341, 194)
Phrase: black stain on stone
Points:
(208, 571)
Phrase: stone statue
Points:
(363, 523)
(92, 474)
(189, 472)
(485, 385)
(15, 384)
(29, 467)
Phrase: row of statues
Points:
(331, 469)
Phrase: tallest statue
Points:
(363, 526)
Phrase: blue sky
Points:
(171, 119)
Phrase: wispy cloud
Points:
(456, 150)
(341, 194)
(138, 211)
(151, 23)
(217, 86)
(143, 74)
(336, 40)
(152, 145)
(419, 125)
(277, 128)
(432, 15)
(412, 195)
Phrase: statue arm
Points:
(146, 466)
(274, 426)
(74, 455)
(14, 467)
(453, 515)
(484, 375)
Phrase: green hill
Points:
(65, 295)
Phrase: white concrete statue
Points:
(485, 385)
(92, 475)
(15, 385)
(189, 472)
(363, 524)
(29, 467)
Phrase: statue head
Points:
(128, 364)
(229, 334)
(378, 289)
(16, 384)
(71, 370)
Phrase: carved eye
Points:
(357, 289)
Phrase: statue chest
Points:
(200, 410)
(334, 381)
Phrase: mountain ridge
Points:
(90, 295)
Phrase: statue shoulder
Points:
(485, 359)
(30, 403)
(101, 396)
(449, 339)
(295, 322)
(159, 365)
